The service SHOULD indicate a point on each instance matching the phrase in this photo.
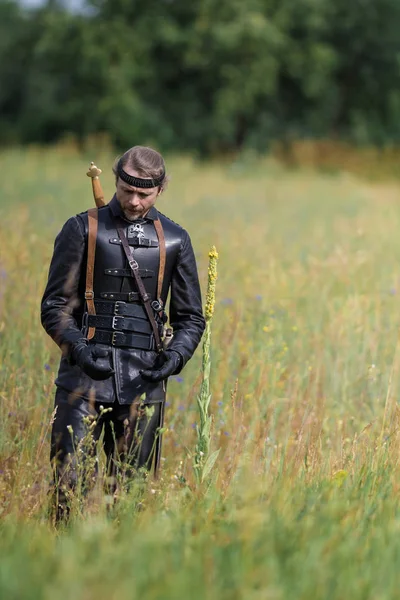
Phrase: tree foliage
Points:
(204, 75)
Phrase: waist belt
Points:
(119, 339)
(120, 308)
(120, 323)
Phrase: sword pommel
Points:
(94, 171)
(98, 194)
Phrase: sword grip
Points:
(98, 193)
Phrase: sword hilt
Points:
(98, 193)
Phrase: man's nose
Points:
(134, 200)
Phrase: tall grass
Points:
(305, 380)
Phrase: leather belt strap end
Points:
(127, 273)
(120, 296)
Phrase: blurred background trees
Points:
(202, 75)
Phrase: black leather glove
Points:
(167, 363)
(85, 356)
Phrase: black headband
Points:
(138, 181)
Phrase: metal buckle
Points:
(156, 305)
(133, 264)
(89, 295)
(114, 322)
(114, 337)
(119, 304)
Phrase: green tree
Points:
(206, 75)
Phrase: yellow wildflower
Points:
(212, 278)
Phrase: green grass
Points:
(304, 501)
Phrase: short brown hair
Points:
(146, 161)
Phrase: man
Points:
(109, 279)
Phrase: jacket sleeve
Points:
(60, 297)
(186, 314)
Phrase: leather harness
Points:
(121, 338)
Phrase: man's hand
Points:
(170, 362)
(86, 356)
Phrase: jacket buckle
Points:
(114, 340)
(157, 305)
(133, 264)
(118, 306)
(115, 322)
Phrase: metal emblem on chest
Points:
(135, 230)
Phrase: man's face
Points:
(135, 202)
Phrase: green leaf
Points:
(210, 463)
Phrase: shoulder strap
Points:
(92, 237)
(144, 296)
(161, 268)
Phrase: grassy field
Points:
(304, 500)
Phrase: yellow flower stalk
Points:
(212, 279)
(203, 460)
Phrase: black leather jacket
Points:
(63, 304)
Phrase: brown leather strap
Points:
(89, 294)
(144, 296)
(161, 268)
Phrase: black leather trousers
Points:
(129, 438)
